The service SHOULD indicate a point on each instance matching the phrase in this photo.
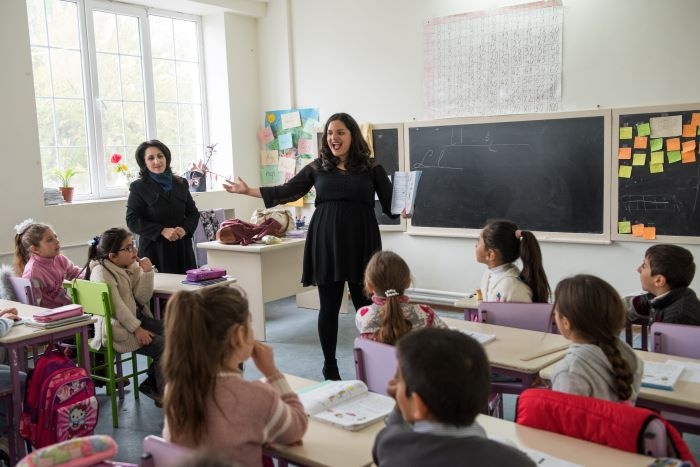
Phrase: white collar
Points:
(443, 429)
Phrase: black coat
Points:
(150, 209)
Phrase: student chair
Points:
(643, 324)
(676, 339)
(23, 290)
(164, 453)
(532, 316)
(96, 299)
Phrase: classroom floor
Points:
(292, 333)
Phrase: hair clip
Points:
(23, 226)
(518, 234)
(95, 240)
(391, 293)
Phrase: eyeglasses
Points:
(129, 248)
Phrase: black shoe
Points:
(149, 389)
(331, 373)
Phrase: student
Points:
(665, 274)
(441, 385)
(590, 313)
(112, 259)
(500, 244)
(8, 316)
(390, 316)
(38, 258)
(209, 334)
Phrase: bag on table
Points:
(236, 231)
(282, 216)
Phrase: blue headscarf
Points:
(165, 180)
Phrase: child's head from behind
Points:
(34, 238)
(666, 267)
(443, 376)
(206, 332)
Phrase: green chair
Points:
(96, 299)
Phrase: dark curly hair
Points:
(358, 159)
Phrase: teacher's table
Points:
(327, 445)
(22, 335)
(519, 353)
(165, 285)
(265, 272)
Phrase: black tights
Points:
(330, 297)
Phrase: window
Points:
(108, 76)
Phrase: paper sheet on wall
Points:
(663, 127)
(494, 62)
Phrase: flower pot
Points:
(67, 193)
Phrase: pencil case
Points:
(55, 314)
(204, 274)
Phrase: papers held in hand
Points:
(405, 189)
(346, 404)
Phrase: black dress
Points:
(150, 209)
(343, 232)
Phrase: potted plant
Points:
(64, 177)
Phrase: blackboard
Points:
(668, 200)
(548, 173)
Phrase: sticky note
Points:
(688, 157)
(657, 157)
(298, 203)
(643, 129)
(640, 142)
(637, 230)
(304, 160)
(649, 233)
(664, 127)
(657, 144)
(689, 131)
(310, 125)
(285, 141)
(269, 157)
(291, 120)
(624, 153)
(269, 175)
(625, 171)
(673, 156)
(656, 168)
(673, 144)
(624, 227)
(305, 146)
(265, 135)
(626, 132)
(639, 159)
(695, 119)
(688, 146)
(287, 165)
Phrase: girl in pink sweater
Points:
(208, 336)
(38, 258)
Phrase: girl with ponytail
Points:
(207, 402)
(391, 316)
(590, 313)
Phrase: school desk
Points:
(519, 353)
(326, 445)
(265, 272)
(164, 285)
(23, 335)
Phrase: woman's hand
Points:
(143, 336)
(239, 186)
(170, 234)
(180, 232)
(263, 359)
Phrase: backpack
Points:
(60, 401)
(236, 231)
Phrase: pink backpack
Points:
(60, 401)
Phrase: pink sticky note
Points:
(265, 135)
(304, 146)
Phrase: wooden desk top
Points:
(515, 349)
(23, 332)
(253, 248)
(684, 394)
(164, 283)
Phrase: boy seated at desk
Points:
(665, 274)
(441, 384)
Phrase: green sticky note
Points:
(626, 132)
(625, 171)
(657, 144)
(639, 159)
(624, 227)
(656, 168)
(657, 157)
(673, 156)
(269, 175)
(643, 129)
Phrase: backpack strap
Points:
(676, 444)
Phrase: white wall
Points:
(365, 57)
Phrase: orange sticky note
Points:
(673, 144)
(688, 157)
(689, 131)
(688, 145)
(640, 142)
(695, 119)
(637, 230)
(649, 233)
(624, 153)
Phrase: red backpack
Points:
(60, 401)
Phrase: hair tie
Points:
(518, 234)
(23, 226)
(95, 240)
(391, 293)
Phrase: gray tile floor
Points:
(292, 333)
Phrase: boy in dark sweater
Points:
(441, 384)
(665, 275)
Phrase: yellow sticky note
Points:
(657, 144)
(688, 146)
(626, 132)
(640, 142)
(649, 233)
(656, 168)
(639, 159)
(637, 230)
(625, 171)
(688, 157)
(673, 156)
(298, 203)
(643, 129)
(673, 144)
(689, 131)
(657, 157)
(695, 119)
(624, 153)
(624, 227)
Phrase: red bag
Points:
(236, 231)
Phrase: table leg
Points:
(85, 347)
(16, 440)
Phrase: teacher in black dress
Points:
(343, 232)
(161, 211)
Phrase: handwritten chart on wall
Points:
(494, 62)
(657, 175)
(547, 172)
